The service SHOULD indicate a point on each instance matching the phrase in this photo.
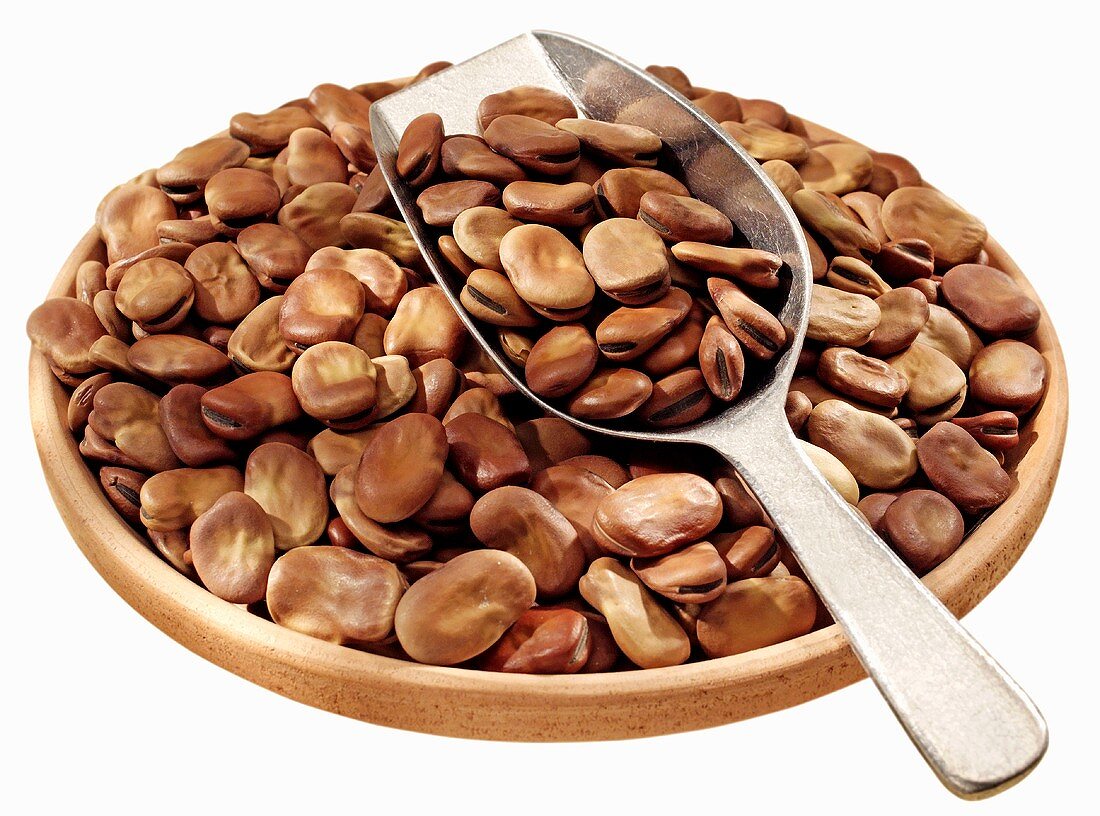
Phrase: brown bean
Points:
(575, 491)
(332, 104)
(250, 405)
(956, 237)
(994, 430)
(719, 106)
(442, 203)
(836, 168)
(477, 401)
(185, 177)
(336, 383)
(766, 143)
(868, 207)
(827, 219)
(542, 641)
(173, 499)
(1008, 374)
(877, 452)
(490, 297)
(461, 609)
(368, 230)
(238, 197)
(834, 471)
(739, 506)
(629, 332)
(81, 400)
(989, 300)
(525, 100)
(91, 279)
(757, 329)
(561, 361)
(627, 259)
(673, 77)
(907, 260)
(515, 345)
(122, 487)
(448, 510)
(645, 632)
(936, 384)
(961, 469)
(784, 175)
(275, 254)
(485, 453)
(923, 527)
(127, 218)
(754, 613)
(256, 344)
(383, 281)
(619, 191)
(335, 450)
(902, 314)
(479, 231)
(653, 515)
(610, 394)
(355, 145)
(469, 157)
(680, 347)
(841, 318)
(721, 360)
(751, 552)
(550, 441)
(298, 516)
(623, 144)
(176, 358)
(233, 548)
(225, 289)
(425, 327)
(335, 594)
(547, 270)
(270, 132)
(437, 383)
(401, 467)
(312, 157)
(533, 144)
(854, 275)
(756, 267)
(556, 205)
(948, 334)
(127, 417)
(693, 575)
(862, 378)
(63, 331)
(678, 399)
(316, 214)
(393, 542)
(522, 522)
(156, 294)
(180, 414)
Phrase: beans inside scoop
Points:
(276, 397)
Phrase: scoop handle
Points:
(973, 724)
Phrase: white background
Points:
(101, 711)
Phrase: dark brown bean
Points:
(961, 469)
(923, 527)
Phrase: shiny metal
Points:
(973, 724)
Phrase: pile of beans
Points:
(273, 394)
(583, 255)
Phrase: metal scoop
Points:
(973, 724)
